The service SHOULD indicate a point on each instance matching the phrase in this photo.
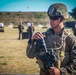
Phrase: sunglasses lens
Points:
(54, 17)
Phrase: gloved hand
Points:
(37, 35)
(54, 71)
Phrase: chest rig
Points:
(56, 42)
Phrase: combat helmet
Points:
(58, 9)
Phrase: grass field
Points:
(13, 59)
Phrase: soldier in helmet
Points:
(30, 30)
(20, 28)
(59, 39)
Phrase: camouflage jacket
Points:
(65, 42)
(21, 28)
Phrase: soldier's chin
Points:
(52, 26)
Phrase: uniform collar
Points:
(59, 33)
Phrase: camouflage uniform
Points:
(20, 28)
(30, 31)
(65, 43)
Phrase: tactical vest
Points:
(58, 44)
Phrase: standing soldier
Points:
(75, 29)
(20, 28)
(57, 38)
(30, 30)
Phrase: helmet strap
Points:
(61, 19)
(56, 26)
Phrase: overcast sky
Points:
(32, 5)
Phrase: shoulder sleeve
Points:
(33, 48)
(71, 42)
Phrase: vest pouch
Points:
(53, 42)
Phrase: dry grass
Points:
(13, 59)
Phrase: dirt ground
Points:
(13, 59)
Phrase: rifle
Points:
(48, 58)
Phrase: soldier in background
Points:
(58, 38)
(20, 28)
(75, 29)
(30, 30)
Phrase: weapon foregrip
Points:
(43, 44)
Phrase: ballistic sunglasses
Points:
(54, 17)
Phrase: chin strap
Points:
(56, 26)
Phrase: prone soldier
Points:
(58, 38)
